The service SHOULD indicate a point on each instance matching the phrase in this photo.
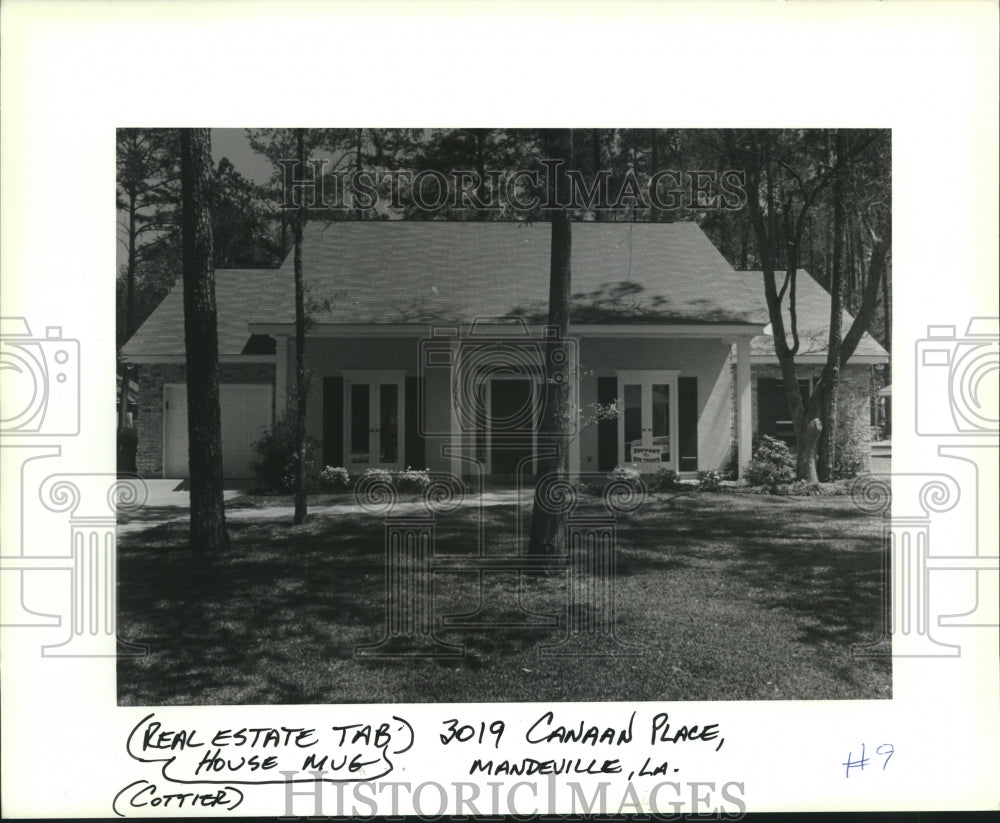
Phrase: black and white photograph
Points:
(503, 414)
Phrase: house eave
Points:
(148, 359)
(819, 359)
(729, 331)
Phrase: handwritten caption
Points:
(211, 763)
(547, 731)
(259, 754)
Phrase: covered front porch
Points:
(469, 400)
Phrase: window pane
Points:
(388, 423)
(633, 418)
(661, 419)
(360, 443)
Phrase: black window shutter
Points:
(333, 421)
(767, 405)
(607, 430)
(414, 448)
(687, 423)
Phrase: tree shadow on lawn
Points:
(820, 559)
(278, 591)
(276, 618)
(266, 617)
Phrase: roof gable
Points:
(812, 310)
(237, 293)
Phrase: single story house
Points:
(428, 348)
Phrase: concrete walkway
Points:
(175, 500)
(881, 456)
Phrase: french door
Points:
(512, 423)
(373, 420)
(647, 420)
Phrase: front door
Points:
(373, 420)
(647, 420)
(511, 423)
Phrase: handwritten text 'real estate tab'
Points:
(258, 754)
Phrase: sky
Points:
(233, 144)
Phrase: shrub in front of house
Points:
(663, 480)
(412, 480)
(803, 488)
(626, 474)
(377, 476)
(709, 481)
(277, 460)
(847, 466)
(772, 464)
(334, 479)
(589, 488)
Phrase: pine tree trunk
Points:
(886, 315)
(129, 303)
(831, 374)
(301, 387)
(208, 518)
(654, 167)
(595, 148)
(548, 528)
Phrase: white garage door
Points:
(246, 412)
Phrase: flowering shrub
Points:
(709, 481)
(626, 474)
(606, 411)
(663, 480)
(378, 476)
(334, 478)
(772, 464)
(414, 480)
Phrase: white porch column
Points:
(574, 410)
(281, 377)
(744, 436)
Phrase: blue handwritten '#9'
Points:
(886, 750)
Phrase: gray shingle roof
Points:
(421, 272)
(438, 271)
(812, 303)
(237, 293)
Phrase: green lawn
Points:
(725, 596)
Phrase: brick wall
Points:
(853, 406)
(152, 378)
